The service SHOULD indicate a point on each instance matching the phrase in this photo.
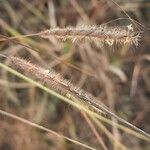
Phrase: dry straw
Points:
(103, 34)
(64, 87)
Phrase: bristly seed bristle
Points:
(103, 34)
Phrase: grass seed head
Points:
(102, 34)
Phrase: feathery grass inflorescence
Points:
(64, 87)
(102, 34)
(50, 78)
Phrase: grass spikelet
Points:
(103, 34)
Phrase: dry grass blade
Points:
(43, 128)
(99, 138)
(119, 145)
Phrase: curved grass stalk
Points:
(65, 88)
(78, 105)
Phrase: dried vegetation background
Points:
(118, 75)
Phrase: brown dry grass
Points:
(117, 75)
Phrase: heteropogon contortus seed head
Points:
(103, 34)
